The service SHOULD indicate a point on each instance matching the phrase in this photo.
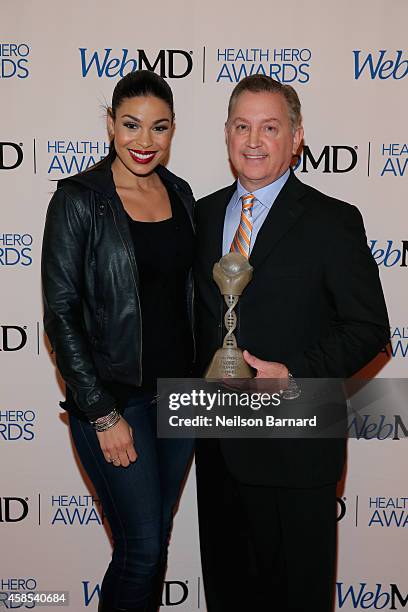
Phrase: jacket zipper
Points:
(192, 281)
(193, 320)
(136, 288)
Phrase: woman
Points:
(116, 268)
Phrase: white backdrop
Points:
(59, 63)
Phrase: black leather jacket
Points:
(92, 311)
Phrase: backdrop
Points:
(59, 62)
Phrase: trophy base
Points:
(229, 363)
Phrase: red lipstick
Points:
(142, 157)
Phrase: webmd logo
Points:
(381, 64)
(367, 597)
(110, 63)
(13, 509)
(390, 254)
(336, 159)
(175, 592)
(13, 337)
(11, 155)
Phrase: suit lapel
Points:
(284, 213)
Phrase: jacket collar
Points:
(285, 211)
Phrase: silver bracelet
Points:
(106, 422)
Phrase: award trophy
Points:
(232, 273)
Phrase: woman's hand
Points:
(117, 444)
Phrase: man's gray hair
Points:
(257, 83)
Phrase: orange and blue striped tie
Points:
(242, 238)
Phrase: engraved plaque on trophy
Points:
(232, 274)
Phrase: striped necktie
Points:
(242, 238)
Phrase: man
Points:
(314, 308)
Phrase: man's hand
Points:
(276, 373)
(268, 369)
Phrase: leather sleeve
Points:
(360, 328)
(63, 253)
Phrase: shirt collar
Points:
(266, 195)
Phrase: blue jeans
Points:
(138, 502)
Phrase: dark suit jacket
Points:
(315, 303)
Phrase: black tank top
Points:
(164, 256)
